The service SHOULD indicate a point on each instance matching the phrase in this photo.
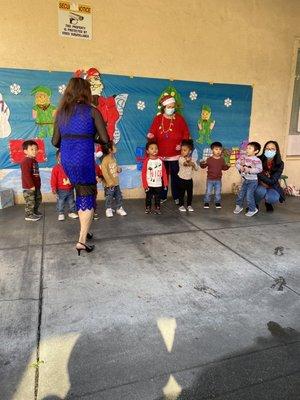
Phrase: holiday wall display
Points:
(29, 100)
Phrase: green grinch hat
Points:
(42, 89)
(206, 108)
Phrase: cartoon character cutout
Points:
(5, 128)
(111, 108)
(43, 111)
(206, 125)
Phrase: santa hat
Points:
(92, 72)
(166, 100)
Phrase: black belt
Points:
(77, 136)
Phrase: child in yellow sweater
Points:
(111, 171)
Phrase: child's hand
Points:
(147, 190)
(119, 170)
(33, 188)
(166, 188)
(54, 191)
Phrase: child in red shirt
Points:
(63, 189)
(154, 177)
(31, 181)
(215, 165)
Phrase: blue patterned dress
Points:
(76, 139)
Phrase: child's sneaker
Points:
(251, 213)
(218, 205)
(96, 217)
(38, 214)
(121, 211)
(206, 205)
(157, 211)
(147, 210)
(33, 218)
(73, 215)
(182, 209)
(190, 209)
(237, 209)
(109, 213)
(61, 217)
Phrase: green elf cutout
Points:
(43, 111)
(206, 125)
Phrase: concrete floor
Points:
(167, 307)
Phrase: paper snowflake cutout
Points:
(15, 88)
(193, 95)
(140, 105)
(61, 88)
(228, 102)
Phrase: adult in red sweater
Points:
(61, 186)
(168, 129)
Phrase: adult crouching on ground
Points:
(78, 126)
(168, 130)
(269, 187)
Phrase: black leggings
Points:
(185, 185)
(153, 191)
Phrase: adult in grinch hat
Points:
(43, 111)
(168, 129)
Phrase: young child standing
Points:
(61, 186)
(215, 165)
(248, 166)
(185, 175)
(31, 181)
(110, 172)
(154, 177)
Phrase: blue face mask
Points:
(270, 153)
(169, 111)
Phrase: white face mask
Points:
(169, 111)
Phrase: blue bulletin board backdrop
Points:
(231, 127)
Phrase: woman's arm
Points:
(273, 179)
(101, 135)
(153, 129)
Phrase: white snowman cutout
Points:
(5, 128)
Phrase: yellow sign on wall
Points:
(74, 20)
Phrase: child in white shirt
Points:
(154, 177)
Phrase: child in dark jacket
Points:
(63, 189)
(31, 181)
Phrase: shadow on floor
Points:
(268, 370)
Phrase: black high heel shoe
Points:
(87, 248)
(89, 236)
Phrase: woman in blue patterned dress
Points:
(78, 126)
